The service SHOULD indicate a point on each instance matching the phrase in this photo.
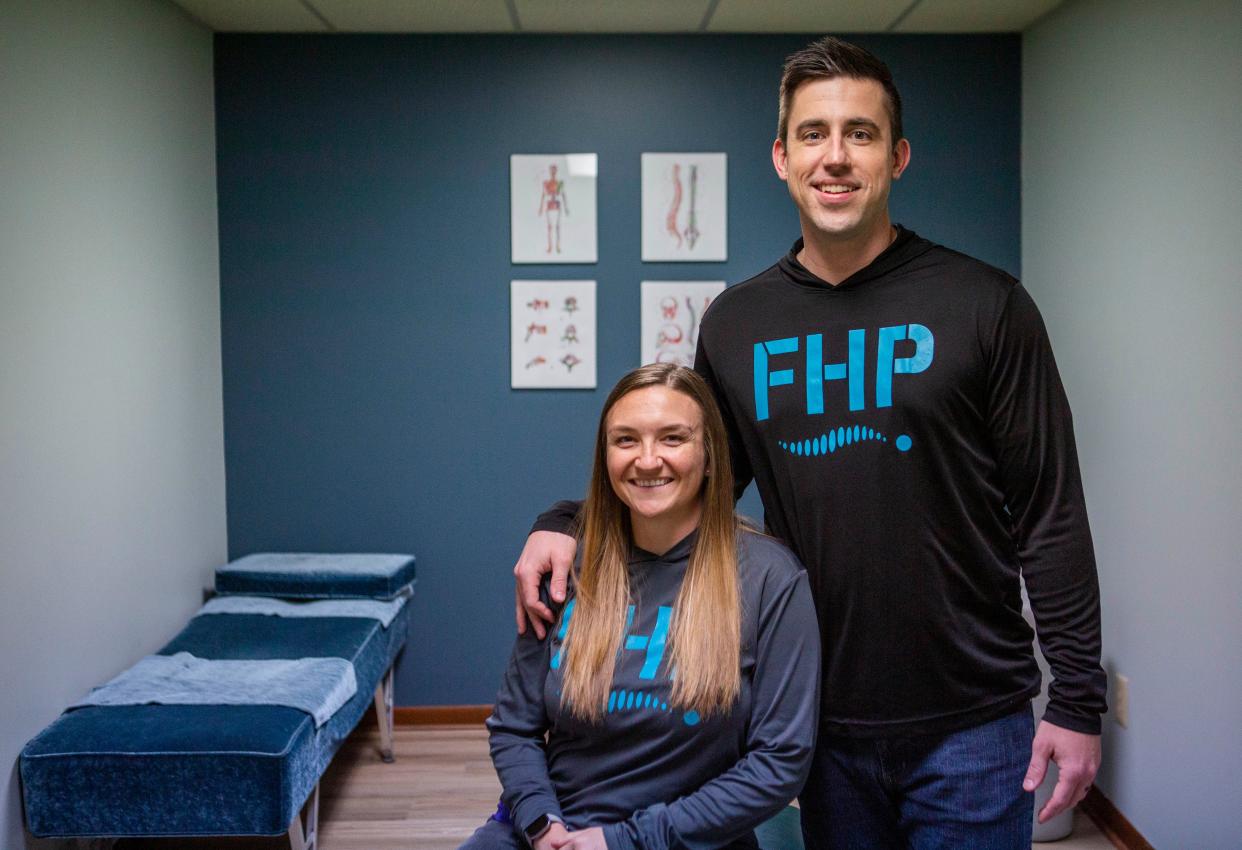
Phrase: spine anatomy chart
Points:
(684, 207)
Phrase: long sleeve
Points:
(1031, 426)
(516, 734)
(562, 517)
(742, 472)
(780, 738)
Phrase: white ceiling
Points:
(628, 16)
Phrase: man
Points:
(899, 409)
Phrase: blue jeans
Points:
(495, 835)
(924, 792)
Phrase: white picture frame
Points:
(671, 312)
(685, 207)
(552, 208)
(552, 334)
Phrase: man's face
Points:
(839, 159)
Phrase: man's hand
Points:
(586, 839)
(1077, 756)
(553, 838)
(544, 552)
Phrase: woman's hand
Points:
(585, 839)
(553, 838)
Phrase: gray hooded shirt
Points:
(653, 775)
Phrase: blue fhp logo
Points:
(652, 645)
(851, 370)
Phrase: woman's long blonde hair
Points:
(705, 636)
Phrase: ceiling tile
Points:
(975, 15)
(572, 16)
(809, 16)
(416, 15)
(611, 15)
(249, 16)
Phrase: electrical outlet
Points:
(1121, 700)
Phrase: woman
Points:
(678, 692)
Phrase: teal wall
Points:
(364, 248)
(364, 245)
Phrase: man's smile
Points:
(834, 192)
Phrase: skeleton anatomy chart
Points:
(552, 207)
(671, 313)
(552, 327)
(684, 207)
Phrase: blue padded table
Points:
(195, 770)
(295, 575)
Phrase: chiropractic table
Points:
(141, 770)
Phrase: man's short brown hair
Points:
(831, 57)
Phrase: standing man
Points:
(900, 410)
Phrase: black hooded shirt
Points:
(912, 444)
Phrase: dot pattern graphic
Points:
(832, 441)
(623, 700)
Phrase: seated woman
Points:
(674, 703)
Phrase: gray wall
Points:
(1132, 242)
(111, 446)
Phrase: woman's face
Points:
(656, 457)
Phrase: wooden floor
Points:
(441, 788)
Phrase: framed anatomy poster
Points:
(552, 207)
(552, 334)
(685, 207)
(671, 312)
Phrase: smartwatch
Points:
(540, 825)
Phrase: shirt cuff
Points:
(616, 837)
(1073, 722)
(531, 810)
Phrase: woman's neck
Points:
(659, 534)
